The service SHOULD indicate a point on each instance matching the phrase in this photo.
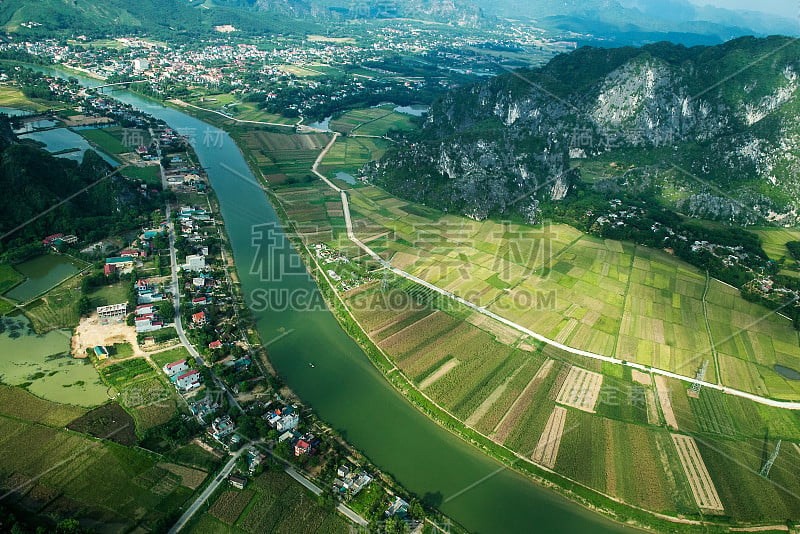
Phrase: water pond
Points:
(43, 364)
(42, 273)
(65, 140)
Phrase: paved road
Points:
(316, 490)
(203, 497)
(535, 335)
(173, 259)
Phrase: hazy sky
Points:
(786, 8)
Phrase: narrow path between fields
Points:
(791, 405)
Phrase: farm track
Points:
(487, 404)
(439, 373)
(792, 405)
(666, 402)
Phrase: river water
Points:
(343, 387)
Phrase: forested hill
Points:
(706, 131)
(172, 20)
(33, 181)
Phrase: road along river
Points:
(343, 387)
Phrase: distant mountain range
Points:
(638, 22)
(712, 131)
(588, 21)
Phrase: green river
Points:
(343, 387)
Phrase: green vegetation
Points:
(19, 404)
(9, 277)
(273, 502)
(169, 356)
(104, 481)
(282, 158)
(150, 174)
(121, 373)
(105, 140)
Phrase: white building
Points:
(114, 312)
(195, 262)
(140, 64)
(287, 422)
(174, 368)
(189, 380)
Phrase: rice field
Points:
(283, 157)
(613, 298)
(371, 121)
(273, 502)
(102, 480)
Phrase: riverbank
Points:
(591, 499)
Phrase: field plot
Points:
(351, 153)
(18, 403)
(581, 389)
(519, 428)
(104, 481)
(705, 494)
(273, 502)
(750, 341)
(284, 157)
(230, 505)
(371, 121)
(746, 495)
(665, 401)
(547, 449)
(609, 297)
(110, 140)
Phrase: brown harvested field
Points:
(487, 404)
(581, 389)
(641, 377)
(547, 449)
(439, 373)
(191, 478)
(652, 409)
(705, 494)
(509, 421)
(665, 400)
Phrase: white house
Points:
(195, 262)
(174, 368)
(189, 380)
(287, 422)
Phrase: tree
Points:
(84, 306)
(415, 510)
(166, 311)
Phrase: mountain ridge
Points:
(690, 119)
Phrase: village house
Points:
(221, 427)
(101, 352)
(188, 381)
(237, 481)
(199, 318)
(306, 445)
(175, 368)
